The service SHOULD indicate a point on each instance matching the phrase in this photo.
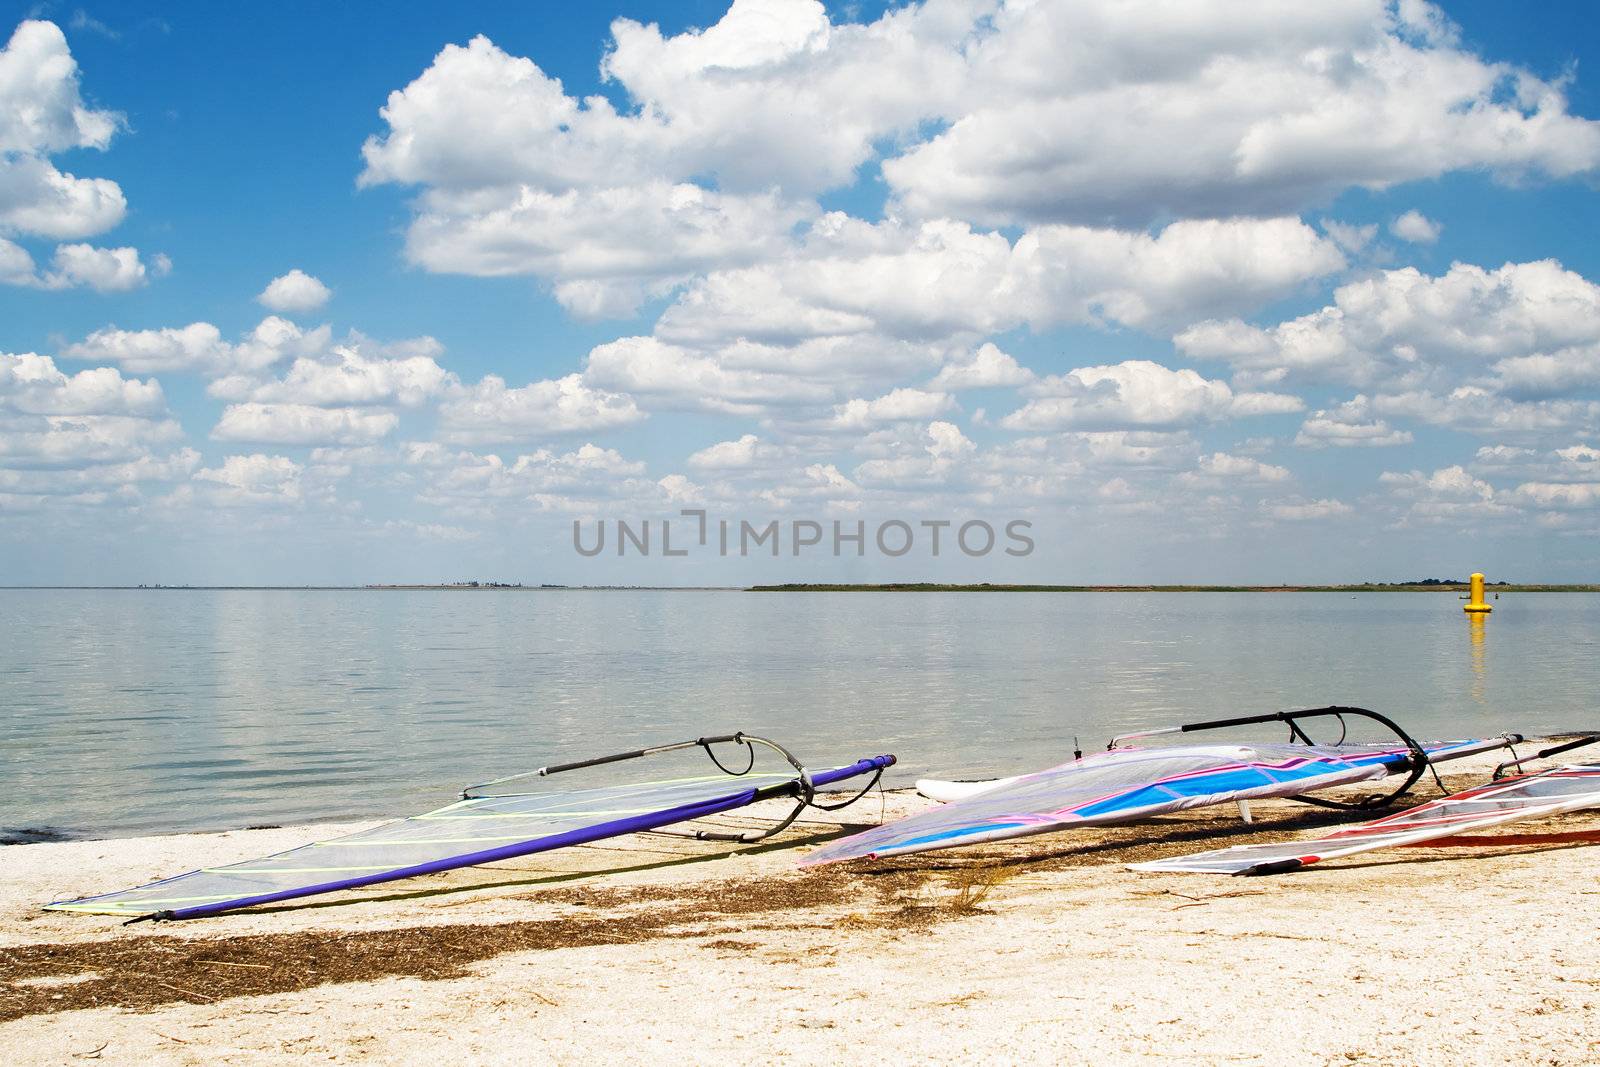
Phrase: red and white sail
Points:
(1529, 796)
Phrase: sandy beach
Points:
(1043, 949)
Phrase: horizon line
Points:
(1424, 585)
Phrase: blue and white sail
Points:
(1125, 785)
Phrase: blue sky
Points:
(1288, 295)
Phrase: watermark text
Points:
(695, 532)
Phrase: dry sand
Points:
(1043, 949)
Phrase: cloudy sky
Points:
(1201, 291)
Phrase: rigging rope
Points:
(738, 739)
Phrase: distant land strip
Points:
(987, 587)
(446, 587)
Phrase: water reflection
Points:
(1477, 630)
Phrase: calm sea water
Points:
(139, 711)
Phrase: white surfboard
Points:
(945, 792)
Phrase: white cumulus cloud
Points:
(33, 385)
(1128, 111)
(199, 348)
(90, 432)
(490, 411)
(896, 406)
(1416, 227)
(940, 278)
(42, 114)
(1136, 393)
(253, 479)
(302, 424)
(721, 381)
(748, 453)
(295, 292)
(1303, 510)
(1403, 329)
(109, 270)
(1473, 409)
(1451, 481)
(986, 368)
(1223, 469)
(346, 376)
(1560, 495)
(1351, 424)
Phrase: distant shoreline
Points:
(985, 587)
(445, 587)
(836, 587)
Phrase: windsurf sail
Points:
(1125, 785)
(1504, 800)
(485, 827)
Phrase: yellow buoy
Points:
(1475, 604)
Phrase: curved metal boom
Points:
(1415, 766)
(803, 787)
(1554, 750)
